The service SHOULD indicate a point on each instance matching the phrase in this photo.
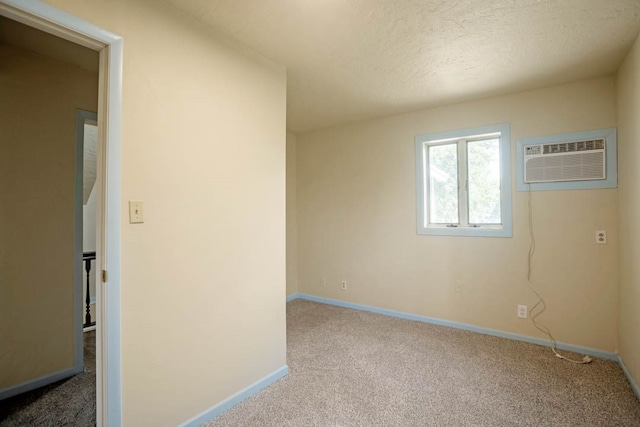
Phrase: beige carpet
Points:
(70, 402)
(354, 368)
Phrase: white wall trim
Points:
(435, 321)
(517, 337)
(232, 401)
(421, 141)
(39, 382)
(627, 374)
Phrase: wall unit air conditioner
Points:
(565, 161)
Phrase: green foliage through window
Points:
(483, 159)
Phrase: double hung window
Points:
(464, 182)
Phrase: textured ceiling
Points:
(90, 162)
(349, 60)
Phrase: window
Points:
(464, 182)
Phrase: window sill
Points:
(466, 231)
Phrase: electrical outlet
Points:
(459, 286)
(523, 311)
(601, 237)
(344, 285)
(323, 283)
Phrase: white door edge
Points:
(108, 351)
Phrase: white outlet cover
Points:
(601, 237)
(523, 311)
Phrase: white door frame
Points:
(108, 358)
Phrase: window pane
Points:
(443, 184)
(483, 158)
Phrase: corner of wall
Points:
(292, 221)
(628, 109)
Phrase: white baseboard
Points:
(293, 296)
(38, 382)
(633, 384)
(232, 401)
(487, 331)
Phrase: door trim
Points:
(108, 346)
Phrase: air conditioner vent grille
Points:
(565, 161)
(569, 161)
(577, 167)
(568, 147)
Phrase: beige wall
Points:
(37, 183)
(357, 222)
(203, 279)
(292, 222)
(629, 212)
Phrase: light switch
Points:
(136, 213)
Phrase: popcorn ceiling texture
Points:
(90, 162)
(360, 59)
(354, 368)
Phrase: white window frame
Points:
(462, 137)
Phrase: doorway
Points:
(86, 200)
(107, 308)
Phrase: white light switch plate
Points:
(136, 212)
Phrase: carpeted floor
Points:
(354, 368)
(70, 402)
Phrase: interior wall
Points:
(629, 212)
(292, 226)
(357, 222)
(37, 188)
(203, 147)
